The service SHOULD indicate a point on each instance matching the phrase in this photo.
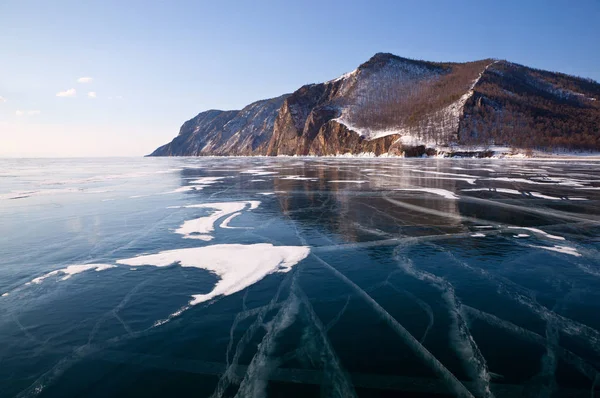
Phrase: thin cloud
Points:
(2, 99)
(85, 80)
(67, 93)
(91, 94)
(28, 113)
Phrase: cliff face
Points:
(392, 105)
(245, 132)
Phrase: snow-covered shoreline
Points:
(594, 156)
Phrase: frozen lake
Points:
(299, 277)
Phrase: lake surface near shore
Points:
(299, 277)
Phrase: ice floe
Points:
(238, 266)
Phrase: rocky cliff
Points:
(214, 132)
(392, 105)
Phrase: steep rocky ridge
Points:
(392, 105)
(245, 132)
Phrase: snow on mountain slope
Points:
(397, 86)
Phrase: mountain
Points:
(394, 105)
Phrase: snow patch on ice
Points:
(257, 172)
(560, 249)
(225, 223)
(206, 180)
(521, 193)
(299, 178)
(556, 181)
(436, 191)
(237, 266)
(200, 228)
(71, 270)
(197, 184)
(540, 232)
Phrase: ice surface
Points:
(238, 266)
(275, 335)
(41, 192)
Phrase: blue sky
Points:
(155, 64)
